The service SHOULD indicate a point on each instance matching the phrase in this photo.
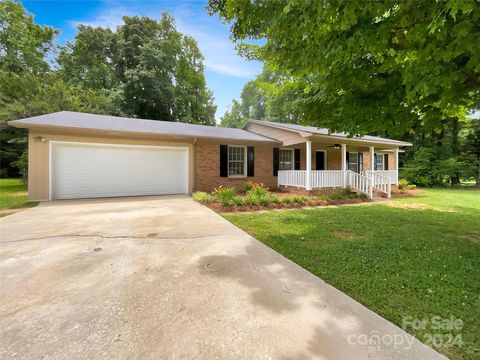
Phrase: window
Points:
(353, 161)
(379, 163)
(285, 159)
(236, 161)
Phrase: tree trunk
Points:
(455, 178)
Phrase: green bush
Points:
(224, 196)
(238, 201)
(251, 199)
(404, 185)
(286, 200)
(274, 199)
(428, 169)
(362, 196)
(337, 194)
(202, 197)
(257, 194)
(247, 185)
(259, 190)
(299, 199)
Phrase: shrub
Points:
(202, 197)
(322, 196)
(264, 201)
(248, 185)
(404, 185)
(274, 199)
(224, 195)
(251, 199)
(286, 200)
(258, 189)
(238, 201)
(362, 196)
(338, 194)
(299, 199)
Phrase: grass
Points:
(415, 256)
(13, 195)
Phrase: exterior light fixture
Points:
(39, 138)
(337, 146)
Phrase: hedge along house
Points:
(78, 155)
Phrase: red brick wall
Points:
(207, 167)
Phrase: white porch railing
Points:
(381, 183)
(319, 178)
(337, 178)
(295, 178)
(327, 178)
(360, 182)
(391, 174)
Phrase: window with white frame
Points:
(379, 162)
(236, 161)
(285, 159)
(353, 161)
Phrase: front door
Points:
(320, 160)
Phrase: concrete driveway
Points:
(166, 278)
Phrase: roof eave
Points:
(23, 125)
(304, 134)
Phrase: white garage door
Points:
(99, 170)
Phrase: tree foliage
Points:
(145, 68)
(370, 65)
(270, 96)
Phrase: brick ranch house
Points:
(79, 155)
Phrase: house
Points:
(79, 155)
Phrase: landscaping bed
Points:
(256, 196)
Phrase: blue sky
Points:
(226, 72)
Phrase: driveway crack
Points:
(107, 237)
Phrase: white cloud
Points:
(211, 35)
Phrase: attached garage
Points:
(90, 170)
(77, 155)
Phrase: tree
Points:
(270, 96)
(470, 145)
(233, 117)
(147, 68)
(144, 69)
(24, 47)
(194, 102)
(367, 66)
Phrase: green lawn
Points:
(13, 195)
(417, 256)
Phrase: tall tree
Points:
(146, 67)
(270, 96)
(233, 117)
(370, 65)
(24, 47)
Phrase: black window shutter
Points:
(347, 159)
(250, 161)
(223, 160)
(276, 160)
(385, 162)
(360, 162)
(297, 159)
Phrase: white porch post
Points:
(396, 165)
(308, 163)
(344, 164)
(372, 159)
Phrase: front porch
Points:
(367, 169)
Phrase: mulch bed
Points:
(313, 203)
